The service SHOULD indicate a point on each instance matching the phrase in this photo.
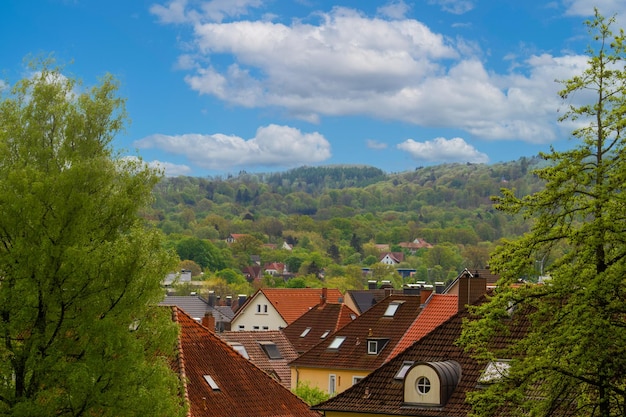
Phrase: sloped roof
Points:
(291, 303)
(243, 389)
(352, 354)
(197, 307)
(440, 307)
(277, 368)
(381, 393)
(365, 299)
(322, 319)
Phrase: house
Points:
(231, 238)
(253, 273)
(177, 278)
(275, 308)
(391, 258)
(270, 350)
(274, 268)
(198, 308)
(415, 245)
(317, 324)
(358, 348)
(430, 378)
(219, 381)
(362, 300)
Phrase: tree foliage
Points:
(79, 271)
(574, 358)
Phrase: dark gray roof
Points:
(197, 307)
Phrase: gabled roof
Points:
(373, 324)
(252, 341)
(240, 389)
(440, 307)
(381, 393)
(197, 307)
(321, 321)
(291, 303)
(365, 299)
(397, 257)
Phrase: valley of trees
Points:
(334, 215)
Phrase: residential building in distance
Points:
(276, 308)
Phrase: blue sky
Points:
(216, 87)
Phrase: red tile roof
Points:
(277, 368)
(352, 354)
(291, 303)
(244, 389)
(440, 307)
(381, 393)
(322, 318)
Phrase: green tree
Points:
(202, 252)
(310, 394)
(79, 271)
(574, 356)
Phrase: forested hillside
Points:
(336, 214)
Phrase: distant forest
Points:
(337, 213)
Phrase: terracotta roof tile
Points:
(277, 368)
(352, 354)
(291, 303)
(440, 307)
(243, 389)
(321, 320)
(381, 393)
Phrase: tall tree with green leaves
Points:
(79, 272)
(574, 356)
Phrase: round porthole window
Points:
(423, 385)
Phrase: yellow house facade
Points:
(331, 381)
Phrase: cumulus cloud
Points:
(177, 11)
(443, 150)
(272, 146)
(393, 69)
(170, 169)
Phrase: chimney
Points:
(411, 289)
(425, 294)
(241, 300)
(208, 321)
(229, 300)
(440, 287)
(471, 288)
(372, 284)
(212, 298)
(323, 296)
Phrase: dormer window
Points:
(431, 383)
(375, 346)
(271, 350)
(305, 332)
(392, 308)
(336, 342)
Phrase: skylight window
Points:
(336, 342)
(392, 308)
(211, 383)
(271, 350)
(323, 336)
(495, 371)
(305, 332)
(406, 365)
(241, 349)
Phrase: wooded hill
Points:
(340, 210)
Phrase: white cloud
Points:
(170, 169)
(396, 9)
(272, 146)
(443, 150)
(174, 12)
(454, 6)
(351, 64)
(177, 11)
(373, 144)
